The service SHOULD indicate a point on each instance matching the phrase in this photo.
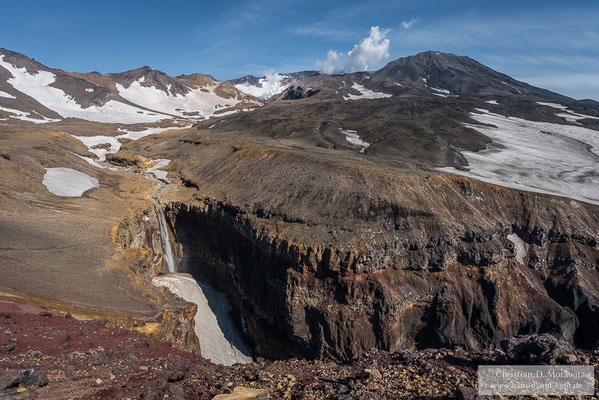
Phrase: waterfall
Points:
(167, 249)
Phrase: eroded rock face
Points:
(449, 289)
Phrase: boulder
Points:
(535, 349)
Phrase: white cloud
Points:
(332, 63)
(408, 24)
(371, 50)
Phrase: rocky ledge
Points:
(51, 356)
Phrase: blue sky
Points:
(552, 44)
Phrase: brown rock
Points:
(9, 379)
(371, 373)
(243, 393)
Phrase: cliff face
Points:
(139, 241)
(532, 270)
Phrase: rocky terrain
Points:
(378, 233)
(45, 355)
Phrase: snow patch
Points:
(215, 329)
(554, 105)
(135, 135)
(536, 156)
(444, 91)
(155, 170)
(365, 93)
(353, 137)
(6, 95)
(91, 161)
(512, 86)
(25, 116)
(68, 182)
(100, 145)
(569, 115)
(494, 102)
(519, 247)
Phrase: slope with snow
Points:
(37, 86)
(201, 100)
(568, 115)
(135, 135)
(102, 145)
(156, 169)
(25, 116)
(536, 156)
(6, 95)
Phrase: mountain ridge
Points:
(42, 94)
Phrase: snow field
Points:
(67, 182)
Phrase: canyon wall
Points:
(418, 281)
(139, 241)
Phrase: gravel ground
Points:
(45, 355)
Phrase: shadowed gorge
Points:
(455, 289)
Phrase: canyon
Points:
(433, 204)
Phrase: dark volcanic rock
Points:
(297, 92)
(359, 395)
(535, 349)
